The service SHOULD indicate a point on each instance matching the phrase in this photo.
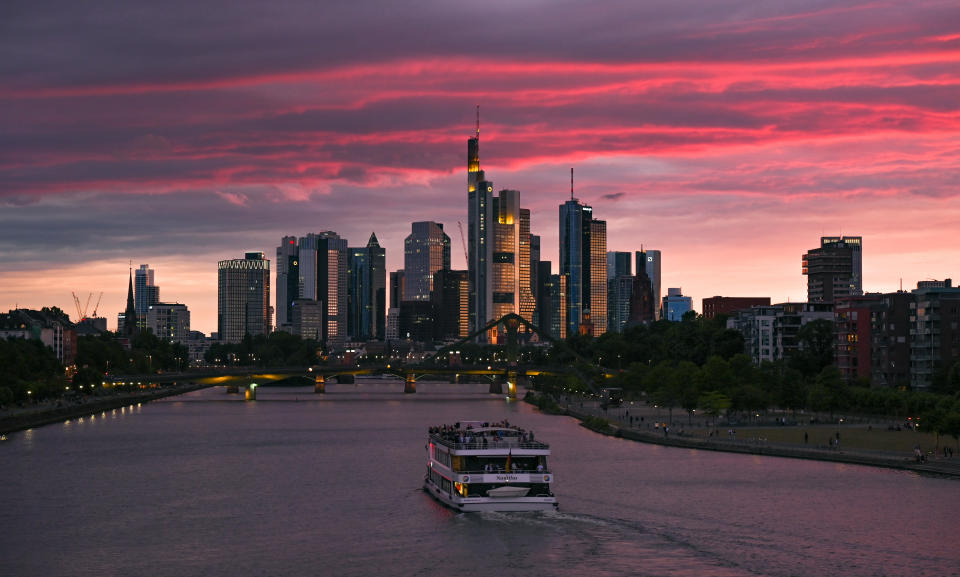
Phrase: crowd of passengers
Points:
(469, 435)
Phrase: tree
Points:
(814, 347)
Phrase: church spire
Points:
(130, 314)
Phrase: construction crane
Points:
(82, 311)
(97, 306)
(463, 241)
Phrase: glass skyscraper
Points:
(243, 297)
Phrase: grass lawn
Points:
(852, 437)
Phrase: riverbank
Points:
(28, 418)
(593, 419)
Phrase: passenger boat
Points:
(478, 466)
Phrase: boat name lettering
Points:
(508, 478)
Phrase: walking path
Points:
(620, 426)
(21, 418)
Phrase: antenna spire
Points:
(478, 122)
(571, 183)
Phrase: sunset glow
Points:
(728, 135)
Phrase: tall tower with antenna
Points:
(479, 226)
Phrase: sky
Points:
(729, 135)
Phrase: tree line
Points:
(698, 365)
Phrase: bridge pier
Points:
(512, 384)
(496, 387)
(319, 384)
(250, 394)
(410, 383)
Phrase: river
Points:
(303, 484)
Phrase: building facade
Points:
(450, 301)
(243, 297)
(675, 305)
(169, 321)
(650, 261)
(425, 251)
(835, 269)
(367, 292)
(718, 305)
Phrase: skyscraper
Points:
(367, 291)
(583, 256)
(620, 283)
(243, 297)
(288, 280)
(425, 251)
(650, 261)
(498, 249)
(835, 270)
(451, 289)
(146, 293)
(575, 260)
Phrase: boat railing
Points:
(512, 471)
(492, 443)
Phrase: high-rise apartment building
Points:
(243, 297)
(367, 292)
(169, 321)
(835, 270)
(425, 251)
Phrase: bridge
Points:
(508, 372)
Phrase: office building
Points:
(450, 300)
(583, 260)
(425, 251)
(649, 260)
(367, 292)
(544, 296)
(288, 280)
(834, 270)
(558, 300)
(308, 319)
(620, 283)
(324, 266)
(675, 305)
(243, 297)
(480, 218)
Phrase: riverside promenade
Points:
(619, 425)
(22, 418)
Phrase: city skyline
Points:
(729, 136)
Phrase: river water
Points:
(303, 484)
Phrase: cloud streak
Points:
(144, 130)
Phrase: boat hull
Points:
(479, 504)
